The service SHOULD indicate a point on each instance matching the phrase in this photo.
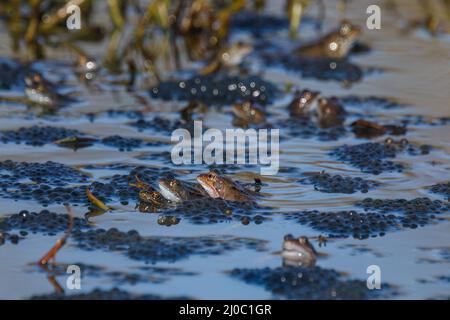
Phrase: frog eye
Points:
(211, 176)
(303, 240)
(345, 29)
(288, 237)
(322, 101)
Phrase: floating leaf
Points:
(98, 203)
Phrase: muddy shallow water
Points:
(417, 73)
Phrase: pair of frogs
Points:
(326, 112)
(210, 185)
(336, 44)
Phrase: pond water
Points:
(415, 71)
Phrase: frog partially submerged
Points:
(300, 251)
(329, 113)
(368, 129)
(248, 113)
(336, 44)
(178, 191)
(151, 199)
(326, 112)
(42, 92)
(303, 102)
(227, 58)
(218, 186)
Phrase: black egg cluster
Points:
(322, 68)
(217, 88)
(37, 135)
(257, 23)
(159, 124)
(306, 129)
(44, 222)
(346, 223)
(370, 157)
(370, 102)
(54, 183)
(154, 249)
(420, 120)
(324, 182)
(109, 166)
(123, 143)
(99, 294)
(131, 243)
(51, 180)
(211, 211)
(312, 283)
(45, 194)
(41, 135)
(417, 206)
(441, 188)
(53, 173)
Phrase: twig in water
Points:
(61, 241)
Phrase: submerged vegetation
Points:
(141, 36)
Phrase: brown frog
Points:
(224, 188)
(368, 129)
(42, 92)
(303, 102)
(178, 191)
(298, 252)
(249, 113)
(153, 197)
(149, 197)
(229, 57)
(336, 44)
(329, 112)
(326, 112)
